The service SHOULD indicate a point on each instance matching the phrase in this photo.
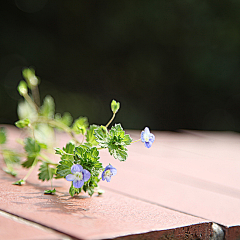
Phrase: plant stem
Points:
(136, 141)
(114, 114)
(30, 101)
(30, 170)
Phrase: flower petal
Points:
(148, 144)
(70, 177)
(108, 179)
(86, 175)
(78, 183)
(114, 171)
(76, 168)
(142, 136)
(146, 131)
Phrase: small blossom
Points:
(108, 172)
(78, 176)
(147, 137)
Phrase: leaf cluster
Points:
(116, 141)
(87, 157)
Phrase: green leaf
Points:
(117, 141)
(48, 107)
(100, 192)
(46, 172)
(52, 191)
(66, 119)
(80, 125)
(29, 162)
(101, 136)
(32, 147)
(64, 168)
(73, 190)
(22, 88)
(3, 137)
(10, 157)
(10, 170)
(90, 138)
(19, 182)
(22, 123)
(59, 151)
(115, 106)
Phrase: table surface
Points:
(176, 189)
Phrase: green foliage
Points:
(116, 141)
(115, 106)
(22, 123)
(42, 121)
(32, 147)
(90, 138)
(3, 136)
(46, 172)
(19, 182)
(10, 157)
(48, 107)
(51, 192)
(64, 168)
(80, 125)
(73, 190)
(29, 162)
(66, 119)
(101, 136)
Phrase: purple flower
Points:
(108, 172)
(78, 176)
(147, 137)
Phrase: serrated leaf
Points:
(46, 172)
(101, 136)
(10, 157)
(66, 119)
(59, 151)
(64, 168)
(90, 138)
(29, 162)
(3, 136)
(31, 147)
(22, 123)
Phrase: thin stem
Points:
(35, 94)
(30, 101)
(30, 170)
(136, 141)
(114, 114)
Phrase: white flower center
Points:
(78, 175)
(107, 173)
(146, 137)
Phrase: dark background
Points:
(172, 64)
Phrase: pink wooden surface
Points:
(190, 178)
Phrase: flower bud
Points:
(115, 106)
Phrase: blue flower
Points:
(78, 176)
(147, 137)
(108, 172)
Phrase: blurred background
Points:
(171, 64)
